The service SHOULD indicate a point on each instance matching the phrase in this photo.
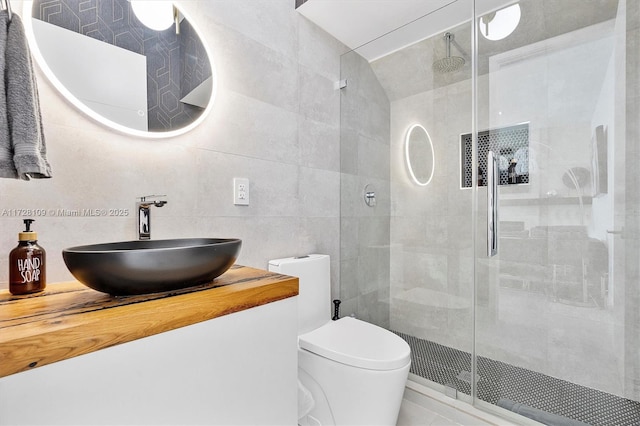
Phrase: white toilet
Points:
(351, 372)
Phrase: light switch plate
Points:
(241, 191)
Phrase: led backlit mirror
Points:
(419, 155)
(141, 81)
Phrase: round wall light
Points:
(157, 15)
(499, 24)
(419, 155)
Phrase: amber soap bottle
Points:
(27, 263)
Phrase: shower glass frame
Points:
(375, 243)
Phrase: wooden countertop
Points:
(69, 319)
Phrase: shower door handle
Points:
(493, 178)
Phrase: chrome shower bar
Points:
(492, 204)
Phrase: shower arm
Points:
(457, 45)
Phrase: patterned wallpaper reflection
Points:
(176, 64)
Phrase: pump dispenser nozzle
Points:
(28, 234)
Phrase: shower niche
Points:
(511, 145)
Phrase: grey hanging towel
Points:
(7, 169)
(23, 153)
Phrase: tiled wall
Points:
(364, 158)
(275, 121)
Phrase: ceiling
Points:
(358, 22)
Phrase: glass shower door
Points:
(556, 310)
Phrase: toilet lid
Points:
(357, 343)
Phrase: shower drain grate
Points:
(497, 380)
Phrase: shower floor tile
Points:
(498, 380)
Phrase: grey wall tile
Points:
(319, 100)
(272, 23)
(253, 69)
(316, 50)
(349, 150)
(317, 190)
(319, 145)
(247, 126)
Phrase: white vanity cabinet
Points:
(238, 368)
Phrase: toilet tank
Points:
(314, 298)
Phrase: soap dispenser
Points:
(513, 175)
(27, 269)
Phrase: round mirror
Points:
(120, 72)
(419, 155)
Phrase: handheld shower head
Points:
(450, 63)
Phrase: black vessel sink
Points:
(151, 266)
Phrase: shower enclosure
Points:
(549, 325)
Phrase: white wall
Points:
(275, 121)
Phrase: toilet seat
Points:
(358, 344)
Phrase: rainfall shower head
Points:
(450, 63)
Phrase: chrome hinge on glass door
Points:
(492, 204)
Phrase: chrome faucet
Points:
(143, 206)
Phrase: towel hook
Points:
(8, 7)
